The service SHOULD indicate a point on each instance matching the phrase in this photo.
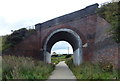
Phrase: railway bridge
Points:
(85, 30)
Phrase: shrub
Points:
(68, 56)
(16, 37)
(111, 13)
(106, 66)
(54, 55)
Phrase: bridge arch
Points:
(64, 34)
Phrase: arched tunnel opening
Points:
(61, 51)
(61, 47)
(64, 35)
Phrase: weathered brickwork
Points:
(87, 24)
(106, 50)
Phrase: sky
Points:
(16, 14)
(60, 49)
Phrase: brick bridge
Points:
(85, 30)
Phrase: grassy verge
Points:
(25, 68)
(0, 43)
(92, 71)
(0, 68)
(56, 60)
(0, 57)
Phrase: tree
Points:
(54, 53)
(111, 13)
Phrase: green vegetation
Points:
(16, 37)
(0, 43)
(4, 44)
(22, 67)
(111, 13)
(92, 71)
(25, 68)
(0, 67)
(55, 59)
(0, 57)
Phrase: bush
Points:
(4, 43)
(106, 66)
(68, 56)
(54, 55)
(111, 13)
(16, 37)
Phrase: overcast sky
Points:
(16, 14)
(62, 47)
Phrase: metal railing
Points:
(30, 27)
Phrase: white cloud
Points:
(37, 11)
(6, 26)
(62, 47)
(15, 14)
(63, 51)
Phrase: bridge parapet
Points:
(89, 10)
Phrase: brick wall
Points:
(91, 28)
(106, 49)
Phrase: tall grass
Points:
(0, 43)
(0, 67)
(92, 71)
(25, 68)
(0, 57)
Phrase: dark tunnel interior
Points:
(62, 36)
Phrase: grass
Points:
(22, 67)
(0, 57)
(25, 68)
(56, 60)
(0, 43)
(91, 71)
(0, 67)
